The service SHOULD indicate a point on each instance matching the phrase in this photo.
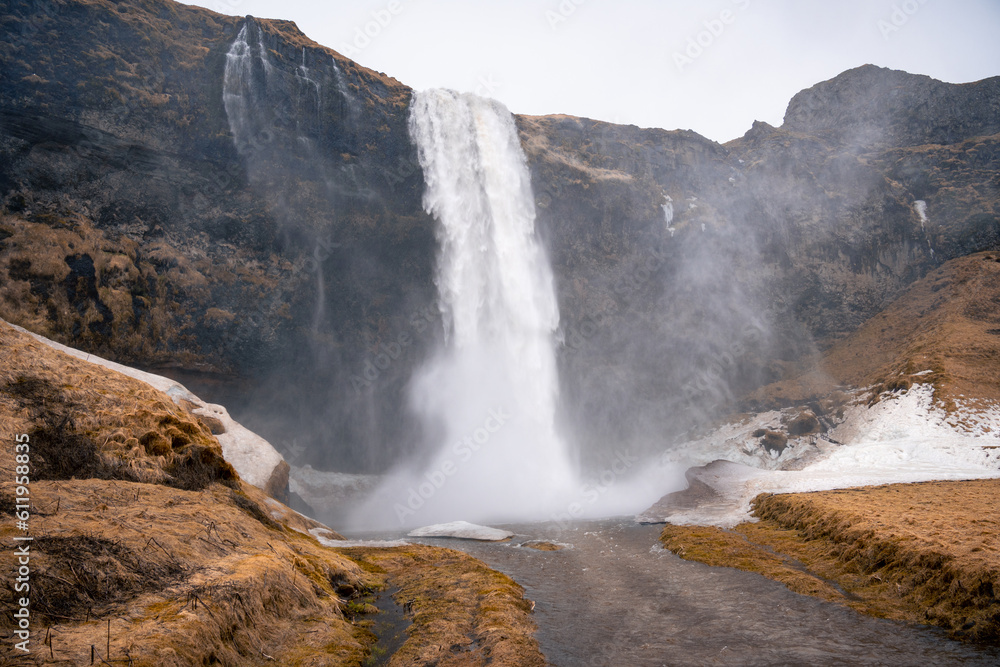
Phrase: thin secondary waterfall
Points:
(240, 96)
(492, 392)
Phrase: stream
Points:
(616, 598)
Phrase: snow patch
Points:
(462, 530)
(904, 438)
(252, 456)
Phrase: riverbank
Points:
(140, 544)
(926, 553)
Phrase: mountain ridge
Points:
(134, 228)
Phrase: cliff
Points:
(274, 256)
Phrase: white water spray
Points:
(236, 85)
(340, 80)
(492, 391)
(303, 73)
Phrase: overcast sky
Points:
(712, 66)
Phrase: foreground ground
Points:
(148, 549)
(923, 553)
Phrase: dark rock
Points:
(285, 269)
(803, 424)
(774, 441)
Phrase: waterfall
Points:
(313, 85)
(240, 89)
(668, 209)
(340, 81)
(491, 393)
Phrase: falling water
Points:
(243, 86)
(340, 80)
(492, 391)
(237, 79)
(313, 85)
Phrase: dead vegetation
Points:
(183, 577)
(938, 332)
(923, 553)
(940, 324)
(91, 425)
(149, 550)
(463, 612)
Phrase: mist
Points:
(555, 302)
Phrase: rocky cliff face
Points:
(759, 251)
(223, 199)
(264, 265)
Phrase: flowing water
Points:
(489, 397)
(615, 598)
(243, 88)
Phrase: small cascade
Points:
(921, 208)
(340, 79)
(303, 73)
(668, 209)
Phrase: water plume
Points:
(489, 397)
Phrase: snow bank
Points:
(462, 530)
(253, 457)
(903, 438)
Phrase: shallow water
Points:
(390, 627)
(616, 598)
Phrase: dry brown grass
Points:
(97, 308)
(947, 322)
(86, 423)
(139, 521)
(149, 550)
(724, 548)
(923, 553)
(185, 577)
(463, 612)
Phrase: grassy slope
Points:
(138, 520)
(463, 612)
(923, 553)
(948, 322)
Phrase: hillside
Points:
(148, 548)
(943, 331)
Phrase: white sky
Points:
(618, 60)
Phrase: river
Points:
(616, 598)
